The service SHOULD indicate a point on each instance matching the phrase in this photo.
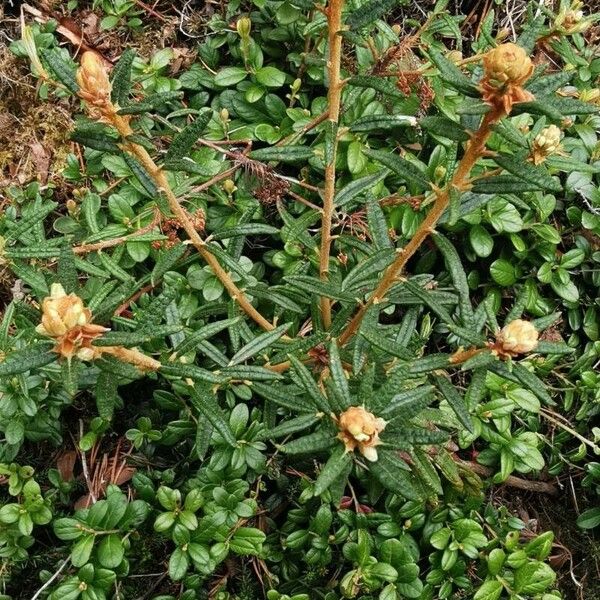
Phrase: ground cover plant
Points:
(300, 301)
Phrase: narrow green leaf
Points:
(370, 11)
(393, 474)
(63, 71)
(338, 374)
(283, 154)
(311, 443)
(378, 227)
(206, 403)
(184, 141)
(26, 359)
(338, 466)
(306, 381)
(520, 168)
(379, 84)
(532, 383)
(258, 344)
(358, 186)
(444, 127)
(459, 278)
(193, 372)
(121, 78)
(204, 333)
(243, 230)
(452, 75)
(375, 122)
(454, 399)
(289, 427)
(408, 404)
(128, 339)
(402, 167)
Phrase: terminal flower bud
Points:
(518, 337)
(506, 68)
(69, 322)
(243, 26)
(360, 429)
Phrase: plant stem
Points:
(162, 183)
(334, 93)
(458, 182)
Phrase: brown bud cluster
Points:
(94, 86)
(69, 322)
(518, 337)
(506, 68)
(360, 429)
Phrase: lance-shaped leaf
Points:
(31, 357)
(407, 404)
(206, 403)
(454, 399)
(459, 278)
(311, 443)
(379, 84)
(246, 229)
(289, 427)
(444, 127)
(394, 475)
(135, 338)
(337, 467)
(305, 380)
(370, 11)
(184, 141)
(121, 78)
(452, 75)
(378, 227)
(285, 396)
(358, 186)
(249, 373)
(529, 173)
(258, 344)
(28, 221)
(532, 383)
(378, 340)
(283, 153)
(402, 167)
(338, 375)
(193, 372)
(63, 70)
(204, 333)
(375, 122)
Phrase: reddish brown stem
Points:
(334, 94)
(458, 182)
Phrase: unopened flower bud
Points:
(68, 321)
(454, 56)
(229, 186)
(296, 85)
(360, 429)
(507, 64)
(71, 206)
(592, 95)
(224, 115)
(546, 142)
(572, 20)
(505, 70)
(518, 337)
(92, 77)
(243, 26)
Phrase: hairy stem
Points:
(334, 21)
(180, 213)
(458, 182)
